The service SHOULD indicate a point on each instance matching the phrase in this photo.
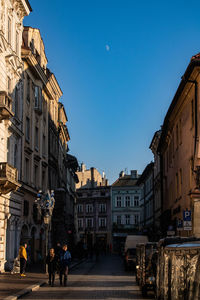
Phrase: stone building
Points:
(90, 177)
(11, 125)
(147, 201)
(179, 150)
(63, 180)
(126, 210)
(156, 182)
(38, 93)
(94, 216)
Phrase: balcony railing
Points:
(5, 106)
(8, 178)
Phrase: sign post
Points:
(187, 220)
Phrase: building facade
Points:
(156, 182)
(126, 209)
(146, 183)
(89, 178)
(12, 14)
(94, 216)
(180, 155)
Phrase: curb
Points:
(36, 286)
(25, 291)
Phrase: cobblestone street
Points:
(105, 279)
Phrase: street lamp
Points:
(45, 203)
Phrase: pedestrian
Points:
(23, 259)
(51, 261)
(65, 258)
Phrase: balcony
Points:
(5, 106)
(8, 178)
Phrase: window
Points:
(89, 208)
(192, 113)
(89, 222)
(80, 208)
(127, 219)
(136, 219)
(102, 222)
(180, 131)
(43, 178)
(177, 185)
(119, 220)
(28, 88)
(27, 129)
(26, 171)
(9, 85)
(80, 223)
(127, 201)
(180, 182)
(136, 201)
(177, 136)
(36, 176)
(32, 46)
(9, 30)
(17, 99)
(102, 207)
(36, 138)
(26, 208)
(43, 146)
(119, 201)
(38, 98)
(17, 43)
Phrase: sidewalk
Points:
(12, 286)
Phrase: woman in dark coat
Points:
(51, 261)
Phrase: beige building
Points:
(180, 154)
(11, 110)
(38, 93)
(90, 178)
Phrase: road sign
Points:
(187, 215)
(179, 225)
(171, 232)
(187, 225)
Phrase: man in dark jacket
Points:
(65, 258)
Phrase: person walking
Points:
(23, 259)
(65, 259)
(51, 261)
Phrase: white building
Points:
(126, 209)
(11, 101)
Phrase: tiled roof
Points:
(126, 180)
(196, 56)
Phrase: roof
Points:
(146, 172)
(28, 4)
(124, 181)
(195, 61)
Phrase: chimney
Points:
(92, 177)
(134, 174)
(83, 167)
(121, 174)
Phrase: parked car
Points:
(130, 250)
(130, 259)
(146, 267)
(139, 262)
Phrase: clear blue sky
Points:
(119, 63)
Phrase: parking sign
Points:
(187, 215)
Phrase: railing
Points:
(5, 105)
(7, 172)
